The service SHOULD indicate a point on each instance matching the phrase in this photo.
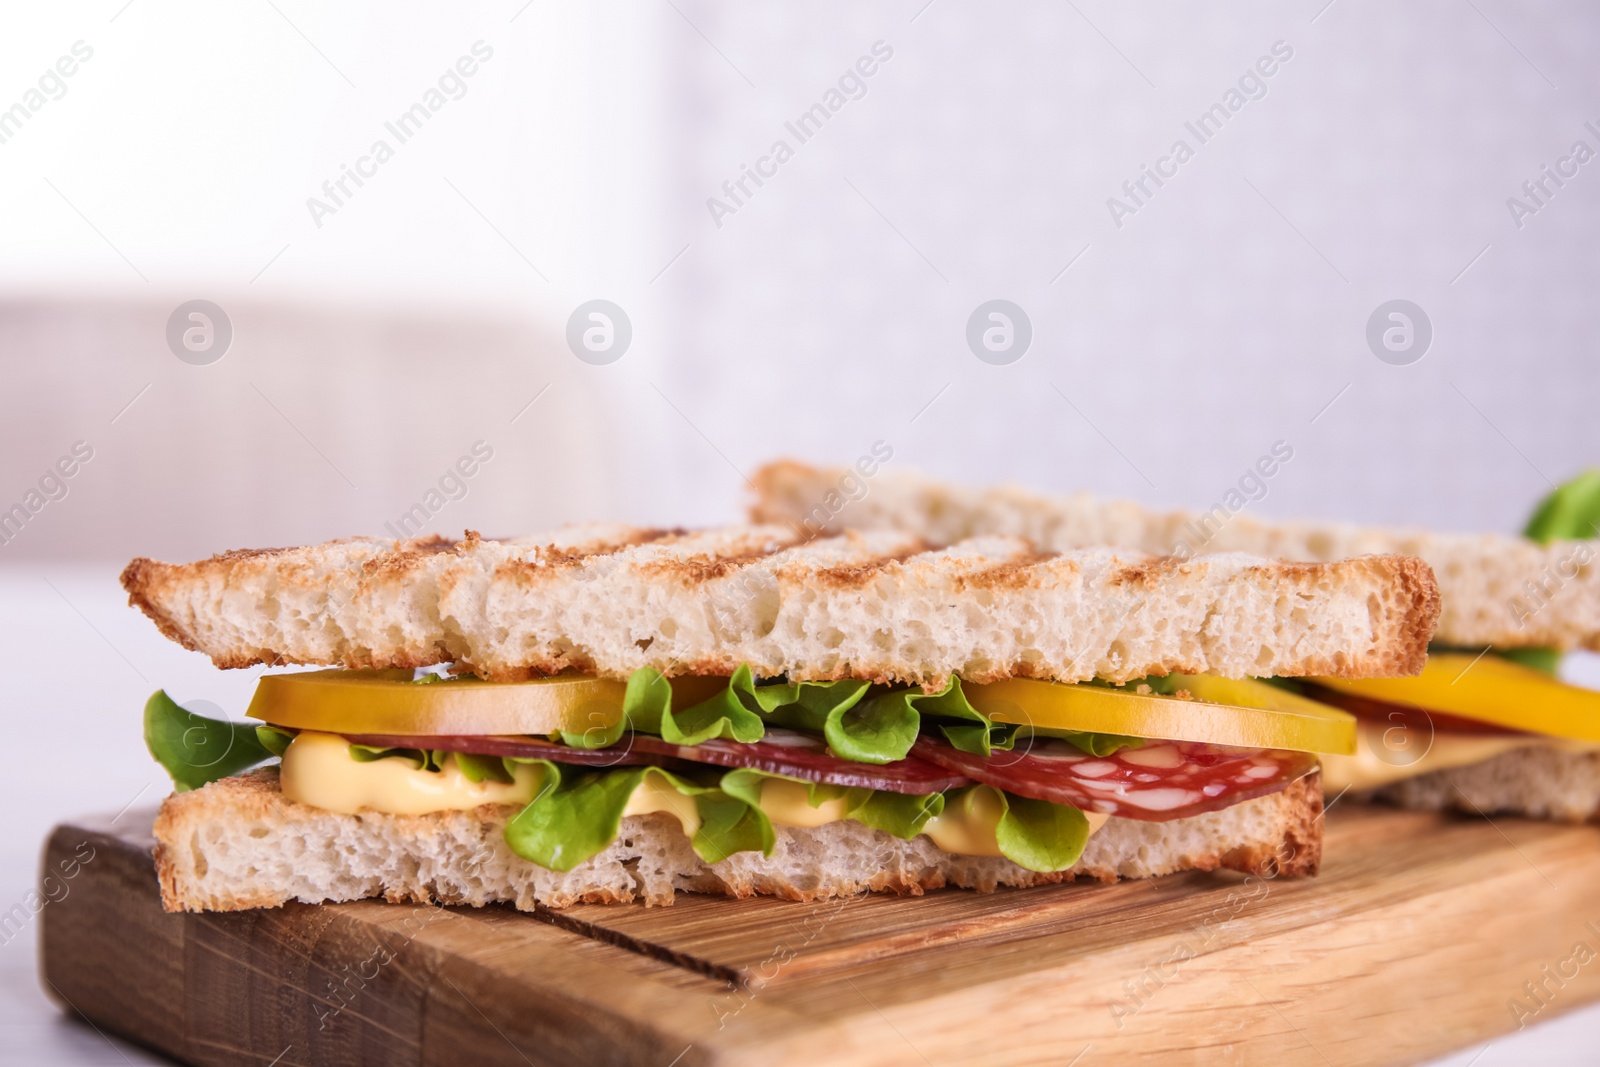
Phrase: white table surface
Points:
(83, 663)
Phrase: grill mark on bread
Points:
(708, 566)
(862, 574)
(1024, 571)
(1482, 576)
(576, 556)
(549, 560)
(1148, 573)
(502, 608)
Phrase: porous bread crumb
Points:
(879, 606)
(1501, 590)
(238, 843)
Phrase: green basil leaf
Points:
(196, 750)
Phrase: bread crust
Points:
(239, 843)
(1501, 590)
(881, 606)
(1538, 782)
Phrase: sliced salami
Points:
(803, 755)
(1158, 781)
(515, 747)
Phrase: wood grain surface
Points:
(1423, 934)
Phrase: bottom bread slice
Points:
(1539, 782)
(238, 843)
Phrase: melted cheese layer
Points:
(319, 771)
(1383, 756)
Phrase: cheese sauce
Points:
(1382, 759)
(319, 771)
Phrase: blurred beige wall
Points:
(318, 422)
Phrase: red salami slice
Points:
(516, 747)
(802, 755)
(1155, 782)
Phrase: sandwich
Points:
(1488, 725)
(608, 714)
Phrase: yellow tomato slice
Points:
(1488, 689)
(388, 702)
(1241, 712)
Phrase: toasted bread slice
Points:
(237, 843)
(1506, 591)
(880, 606)
(1537, 782)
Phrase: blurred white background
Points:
(816, 313)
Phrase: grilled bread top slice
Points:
(877, 605)
(1506, 591)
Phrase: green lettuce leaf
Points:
(880, 729)
(902, 814)
(1091, 743)
(831, 707)
(801, 705)
(483, 768)
(1570, 513)
(1547, 660)
(647, 707)
(196, 750)
(969, 730)
(727, 715)
(861, 726)
(883, 727)
(274, 740)
(573, 818)
(424, 758)
(1039, 835)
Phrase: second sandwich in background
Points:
(1487, 727)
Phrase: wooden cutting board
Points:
(1417, 939)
